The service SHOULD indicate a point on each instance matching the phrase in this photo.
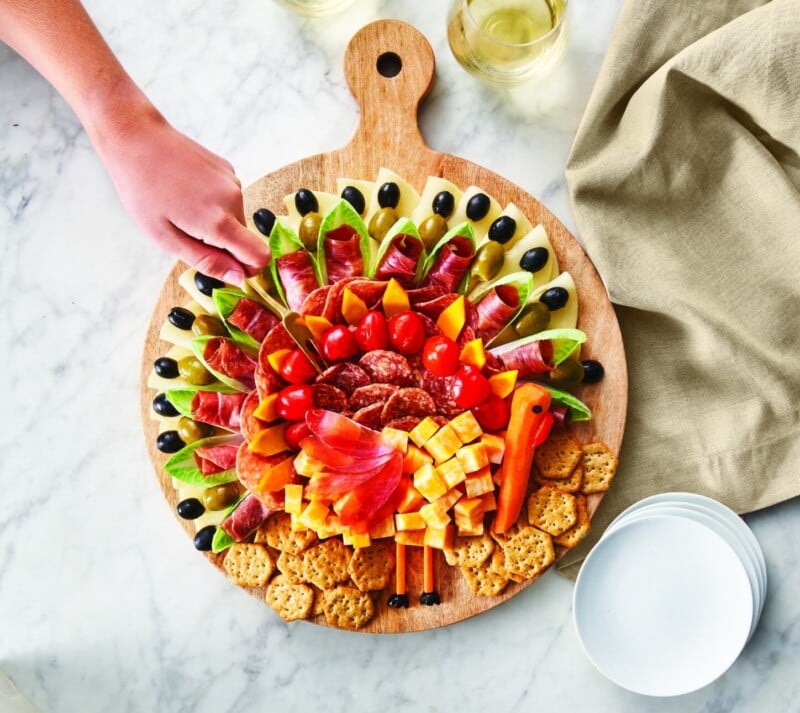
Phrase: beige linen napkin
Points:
(684, 181)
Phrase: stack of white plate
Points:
(671, 593)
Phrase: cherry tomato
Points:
(470, 387)
(338, 343)
(371, 332)
(440, 355)
(294, 433)
(297, 369)
(406, 332)
(493, 414)
(294, 401)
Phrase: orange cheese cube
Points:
(276, 477)
(277, 358)
(495, 446)
(358, 540)
(293, 498)
(466, 427)
(270, 441)
(429, 483)
(414, 459)
(314, 515)
(296, 525)
(408, 521)
(416, 538)
(452, 472)
(434, 515)
(412, 500)
(317, 326)
(471, 530)
(383, 529)
(443, 444)
(472, 457)
(395, 299)
(451, 320)
(353, 307)
(306, 465)
(489, 502)
(479, 483)
(439, 537)
(267, 409)
(423, 431)
(473, 353)
(503, 384)
(396, 438)
(468, 513)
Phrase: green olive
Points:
(567, 373)
(264, 280)
(380, 223)
(191, 431)
(488, 262)
(221, 496)
(309, 230)
(432, 230)
(208, 324)
(534, 318)
(192, 371)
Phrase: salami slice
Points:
(329, 397)
(252, 318)
(345, 376)
(267, 381)
(370, 291)
(408, 402)
(343, 256)
(216, 459)
(297, 275)
(452, 263)
(250, 513)
(314, 303)
(424, 294)
(369, 416)
(495, 310)
(218, 409)
(387, 367)
(440, 389)
(406, 423)
(434, 307)
(224, 357)
(250, 424)
(532, 358)
(371, 394)
(251, 467)
(400, 259)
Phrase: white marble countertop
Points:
(104, 604)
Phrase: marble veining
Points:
(104, 605)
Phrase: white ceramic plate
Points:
(663, 605)
(716, 524)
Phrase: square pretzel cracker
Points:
(599, 468)
(557, 457)
(277, 533)
(552, 510)
(371, 567)
(580, 529)
(248, 565)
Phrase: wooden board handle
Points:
(389, 66)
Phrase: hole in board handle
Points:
(389, 65)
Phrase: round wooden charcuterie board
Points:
(388, 136)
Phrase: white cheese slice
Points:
(159, 383)
(523, 226)
(433, 187)
(480, 227)
(181, 337)
(367, 188)
(186, 280)
(409, 198)
(535, 238)
(209, 517)
(292, 219)
(567, 316)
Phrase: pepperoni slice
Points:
(370, 394)
(387, 367)
(329, 397)
(345, 376)
(369, 416)
(408, 402)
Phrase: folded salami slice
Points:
(249, 514)
(495, 310)
(215, 459)
(252, 318)
(343, 256)
(218, 409)
(400, 259)
(298, 277)
(533, 357)
(451, 264)
(224, 357)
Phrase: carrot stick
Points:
(429, 595)
(528, 427)
(400, 597)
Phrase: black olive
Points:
(181, 318)
(264, 220)
(593, 371)
(389, 195)
(503, 229)
(305, 202)
(534, 259)
(478, 207)
(169, 442)
(443, 204)
(166, 368)
(190, 509)
(398, 601)
(204, 538)
(554, 298)
(163, 406)
(355, 198)
(206, 285)
(429, 598)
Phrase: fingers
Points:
(205, 258)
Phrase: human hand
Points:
(185, 197)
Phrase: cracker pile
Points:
(307, 577)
